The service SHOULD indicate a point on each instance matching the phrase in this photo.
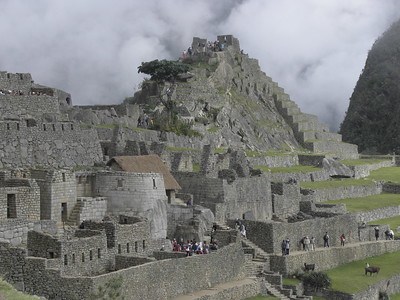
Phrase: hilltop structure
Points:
(88, 199)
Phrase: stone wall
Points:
(274, 161)
(92, 209)
(377, 214)
(391, 188)
(36, 106)
(269, 235)
(18, 81)
(244, 196)
(15, 231)
(12, 263)
(57, 193)
(300, 177)
(209, 270)
(320, 195)
(332, 257)
(362, 171)
(19, 198)
(47, 144)
(141, 194)
(285, 199)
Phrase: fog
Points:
(314, 49)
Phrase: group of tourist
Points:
(193, 247)
(308, 243)
(11, 92)
(144, 121)
(215, 46)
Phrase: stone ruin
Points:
(67, 215)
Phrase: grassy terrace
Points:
(368, 203)
(335, 183)
(364, 161)
(392, 222)
(350, 278)
(294, 169)
(391, 174)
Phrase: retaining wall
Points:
(343, 192)
(332, 257)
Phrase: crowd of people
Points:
(209, 46)
(194, 247)
(144, 121)
(11, 92)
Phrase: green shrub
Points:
(317, 280)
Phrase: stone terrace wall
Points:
(269, 235)
(364, 170)
(64, 145)
(377, 214)
(391, 188)
(195, 273)
(300, 177)
(274, 161)
(320, 195)
(332, 257)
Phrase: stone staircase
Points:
(311, 134)
(73, 219)
(258, 266)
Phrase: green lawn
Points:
(8, 292)
(395, 296)
(350, 278)
(392, 222)
(290, 281)
(294, 169)
(363, 161)
(335, 183)
(368, 203)
(388, 174)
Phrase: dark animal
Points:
(310, 267)
(371, 270)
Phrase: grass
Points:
(364, 161)
(391, 174)
(395, 296)
(335, 183)
(350, 278)
(294, 169)
(393, 222)
(196, 167)
(8, 292)
(368, 203)
(220, 150)
(213, 129)
(290, 281)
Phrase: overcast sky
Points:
(314, 49)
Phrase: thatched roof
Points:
(146, 164)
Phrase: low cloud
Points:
(314, 49)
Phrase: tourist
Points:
(238, 224)
(307, 243)
(391, 234)
(376, 233)
(342, 239)
(283, 246)
(326, 240)
(243, 231)
(287, 246)
(312, 243)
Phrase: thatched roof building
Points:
(144, 164)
